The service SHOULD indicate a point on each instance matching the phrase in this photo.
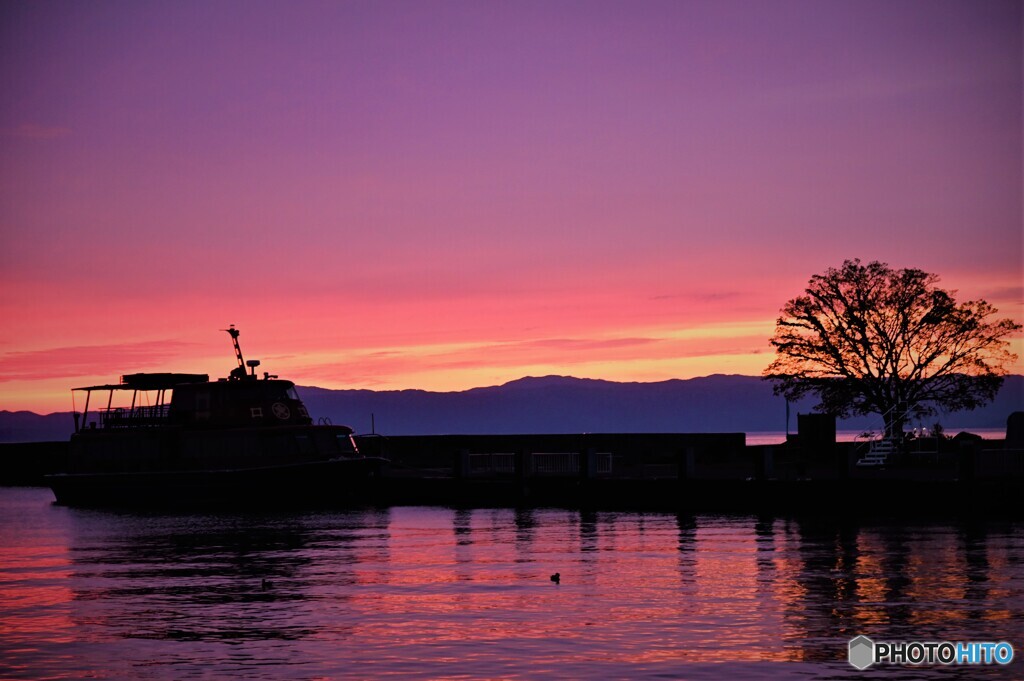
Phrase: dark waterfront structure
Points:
(699, 472)
(670, 471)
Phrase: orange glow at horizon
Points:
(654, 355)
(41, 380)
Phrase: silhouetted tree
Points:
(872, 339)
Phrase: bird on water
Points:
(556, 578)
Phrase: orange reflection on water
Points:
(871, 579)
(486, 581)
(34, 594)
(935, 572)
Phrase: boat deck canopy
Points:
(151, 382)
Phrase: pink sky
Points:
(443, 195)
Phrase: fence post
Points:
(461, 464)
(687, 463)
(522, 464)
(523, 468)
(588, 463)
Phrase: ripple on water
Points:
(434, 592)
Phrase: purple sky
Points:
(450, 194)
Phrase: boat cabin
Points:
(193, 400)
(238, 403)
(172, 399)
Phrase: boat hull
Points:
(340, 481)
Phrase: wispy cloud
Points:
(512, 359)
(713, 297)
(381, 367)
(1011, 294)
(585, 344)
(89, 360)
(35, 131)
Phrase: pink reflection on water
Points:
(623, 584)
(35, 598)
(439, 593)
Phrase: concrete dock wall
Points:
(680, 471)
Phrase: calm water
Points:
(440, 593)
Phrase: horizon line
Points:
(488, 387)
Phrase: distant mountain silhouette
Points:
(560, 404)
(27, 426)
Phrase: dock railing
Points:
(492, 463)
(534, 464)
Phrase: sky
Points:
(444, 195)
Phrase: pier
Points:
(699, 472)
(696, 472)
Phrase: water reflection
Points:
(208, 578)
(428, 593)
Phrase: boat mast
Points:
(233, 332)
(239, 372)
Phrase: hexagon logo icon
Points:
(862, 652)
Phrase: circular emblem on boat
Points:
(281, 411)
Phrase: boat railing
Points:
(134, 417)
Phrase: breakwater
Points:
(25, 463)
(671, 471)
(698, 472)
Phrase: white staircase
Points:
(878, 452)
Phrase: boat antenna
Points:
(240, 371)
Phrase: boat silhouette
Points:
(185, 439)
